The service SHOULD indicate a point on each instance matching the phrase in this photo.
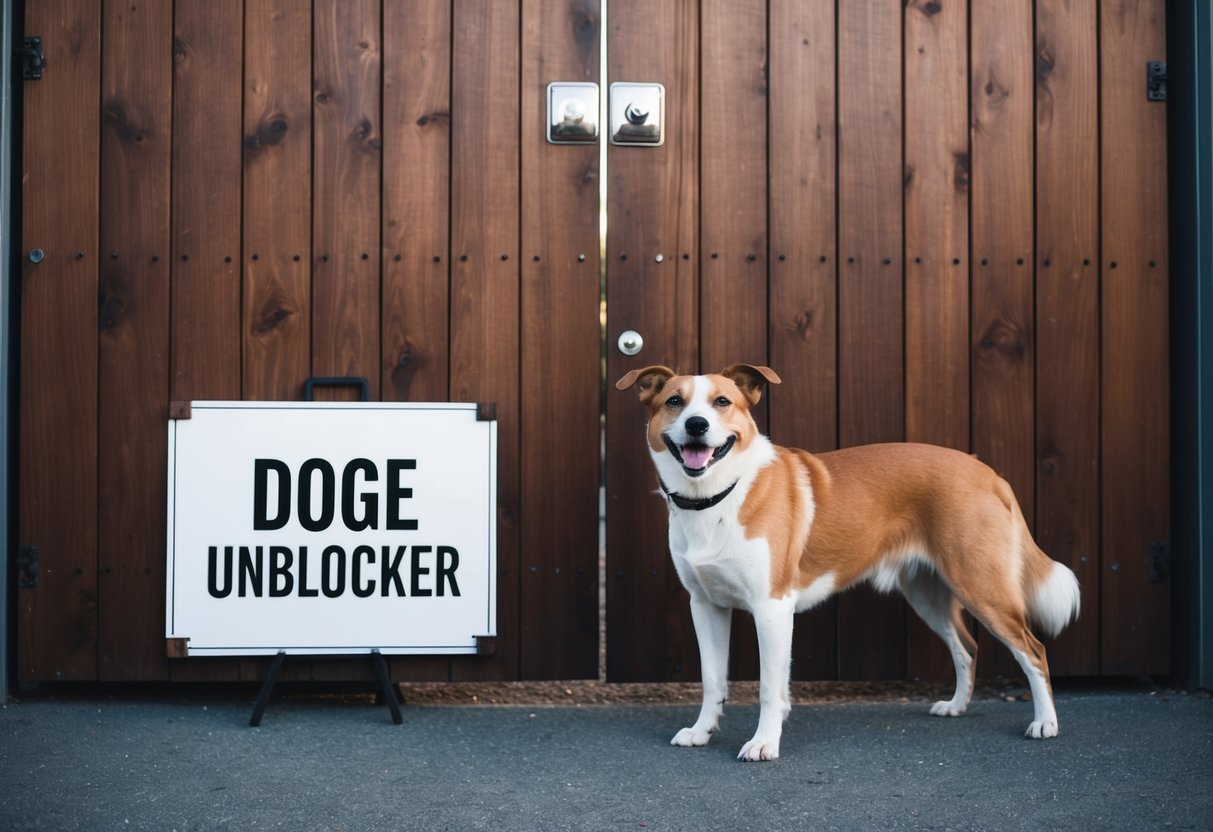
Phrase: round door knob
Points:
(630, 342)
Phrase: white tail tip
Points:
(1056, 602)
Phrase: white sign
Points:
(331, 528)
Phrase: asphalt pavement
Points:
(1126, 760)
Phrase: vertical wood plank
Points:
(1135, 448)
(57, 620)
(1067, 312)
(277, 198)
(652, 208)
(871, 381)
(416, 199)
(347, 148)
(416, 222)
(937, 253)
(803, 265)
(485, 275)
(733, 183)
(733, 214)
(208, 54)
(560, 352)
(136, 151)
(1003, 341)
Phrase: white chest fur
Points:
(715, 560)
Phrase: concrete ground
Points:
(1126, 760)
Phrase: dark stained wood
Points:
(208, 47)
(937, 254)
(652, 209)
(871, 383)
(416, 200)
(1067, 312)
(1003, 343)
(560, 354)
(1135, 450)
(133, 371)
(277, 198)
(347, 148)
(416, 223)
(733, 184)
(484, 276)
(57, 493)
(189, 141)
(803, 265)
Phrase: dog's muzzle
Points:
(697, 457)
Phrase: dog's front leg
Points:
(773, 619)
(712, 625)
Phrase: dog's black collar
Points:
(695, 505)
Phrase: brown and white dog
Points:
(775, 531)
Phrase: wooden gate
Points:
(276, 189)
(938, 221)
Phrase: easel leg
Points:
(267, 687)
(389, 691)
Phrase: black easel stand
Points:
(388, 691)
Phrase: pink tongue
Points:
(696, 457)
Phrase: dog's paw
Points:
(757, 750)
(692, 737)
(1042, 729)
(947, 708)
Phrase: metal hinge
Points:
(27, 567)
(1156, 80)
(33, 59)
(1159, 563)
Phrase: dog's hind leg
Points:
(1008, 622)
(930, 596)
(712, 625)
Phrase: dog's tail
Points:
(1050, 590)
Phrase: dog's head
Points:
(699, 426)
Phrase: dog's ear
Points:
(749, 379)
(650, 380)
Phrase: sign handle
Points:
(312, 382)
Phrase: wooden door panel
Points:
(1067, 309)
(57, 493)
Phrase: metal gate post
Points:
(6, 256)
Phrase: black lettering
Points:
(328, 495)
(305, 591)
(261, 519)
(360, 589)
(212, 571)
(250, 571)
(418, 571)
(396, 492)
(446, 574)
(390, 574)
(281, 579)
(332, 588)
(370, 501)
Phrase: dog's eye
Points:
(674, 401)
(721, 401)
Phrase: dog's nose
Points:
(697, 426)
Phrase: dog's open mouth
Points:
(697, 457)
